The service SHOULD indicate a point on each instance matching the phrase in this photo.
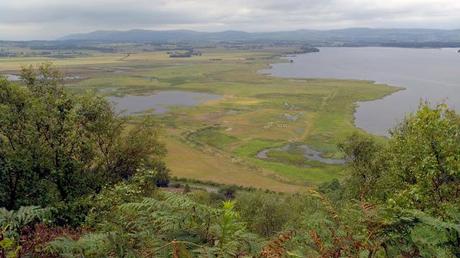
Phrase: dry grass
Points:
(188, 162)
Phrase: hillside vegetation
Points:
(77, 180)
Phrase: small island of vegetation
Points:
(305, 50)
(184, 53)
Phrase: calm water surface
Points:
(15, 78)
(427, 74)
(160, 101)
(12, 77)
(307, 152)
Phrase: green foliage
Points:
(91, 245)
(160, 174)
(416, 175)
(231, 233)
(187, 189)
(265, 214)
(433, 236)
(129, 224)
(11, 224)
(366, 166)
(153, 226)
(56, 146)
(424, 161)
(333, 190)
(8, 248)
(142, 184)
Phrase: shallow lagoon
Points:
(159, 102)
(15, 78)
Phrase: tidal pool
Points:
(159, 102)
(307, 152)
(12, 77)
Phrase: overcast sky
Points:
(50, 19)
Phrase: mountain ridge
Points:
(369, 35)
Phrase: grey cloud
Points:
(105, 16)
(52, 18)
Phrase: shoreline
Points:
(356, 105)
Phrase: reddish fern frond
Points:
(175, 249)
(318, 241)
(367, 207)
(276, 248)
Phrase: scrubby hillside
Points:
(78, 181)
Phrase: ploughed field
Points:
(239, 136)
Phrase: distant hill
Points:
(150, 35)
(343, 36)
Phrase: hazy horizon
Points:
(244, 31)
(51, 19)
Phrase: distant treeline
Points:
(73, 47)
(184, 53)
(424, 45)
(405, 44)
(305, 50)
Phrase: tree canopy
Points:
(57, 146)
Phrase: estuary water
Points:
(426, 74)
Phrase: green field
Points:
(219, 140)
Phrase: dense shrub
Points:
(56, 147)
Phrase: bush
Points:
(266, 214)
(57, 147)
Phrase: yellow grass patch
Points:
(185, 161)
